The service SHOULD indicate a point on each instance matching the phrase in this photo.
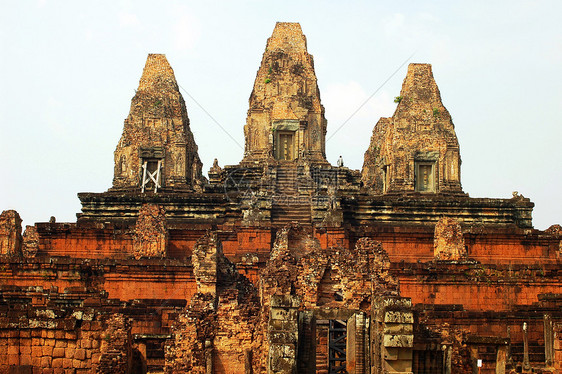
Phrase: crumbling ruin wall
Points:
(301, 279)
(43, 331)
(116, 350)
(217, 331)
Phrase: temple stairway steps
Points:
(288, 206)
(286, 180)
(283, 214)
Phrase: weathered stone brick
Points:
(69, 352)
(80, 354)
(67, 363)
(47, 350)
(58, 352)
(46, 361)
(60, 343)
(57, 361)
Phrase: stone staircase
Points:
(288, 206)
(283, 214)
(286, 180)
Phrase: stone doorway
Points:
(425, 177)
(285, 145)
(333, 341)
(337, 342)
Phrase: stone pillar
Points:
(208, 357)
(447, 358)
(548, 340)
(501, 356)
(282, 334)
(357, 345)
(393, 341)
(10, 233)
(526, 363)
(557, 346)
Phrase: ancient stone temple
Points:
(283, 263)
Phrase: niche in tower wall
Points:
(285, 139)
(151, 168)
(151, 176)
(425, 176)
(285, 145)
(385, 177)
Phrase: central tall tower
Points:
(286, 119)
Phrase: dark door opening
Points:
(337, 341)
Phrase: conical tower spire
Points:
(157, 150)
(416, 150)
(286, 119)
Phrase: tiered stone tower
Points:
(286, 119)
(157, 150)
(416, 150)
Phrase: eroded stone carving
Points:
(448, 240)
(150, 238)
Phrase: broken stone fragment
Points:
(10, 233)
(30, 241)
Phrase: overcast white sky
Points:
(68, 70)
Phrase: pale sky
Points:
(68, 71)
